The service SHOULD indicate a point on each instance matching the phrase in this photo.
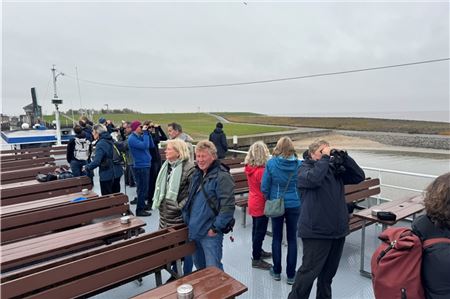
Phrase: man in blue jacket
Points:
(323, 222)
(139, 144)
(210, 206)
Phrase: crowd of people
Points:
(201, 195)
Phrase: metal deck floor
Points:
(347, 284)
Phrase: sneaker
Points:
(290, 281)
(265, 254)
(143, 214)
(260, 264)
(134, 201)
(274, 275)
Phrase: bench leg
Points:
(363, 245)
(244, 217)
(158, 278)
(179, 268)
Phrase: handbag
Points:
(275, 207)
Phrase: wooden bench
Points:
(26, 156)
(38, 249)
(25, 164)
(27, 174)
(33, 190)
(233, 162)
(40, 217)
(98, 269)
(208, 283)
(25, 150)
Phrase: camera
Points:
(337, 158)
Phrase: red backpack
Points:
(397, 263)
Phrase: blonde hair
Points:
(208, 146)
(316, 144)
(257, 155)
(180, 147)
(284, 147)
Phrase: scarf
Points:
(167, 186)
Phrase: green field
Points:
(345, 123)
(198, 125)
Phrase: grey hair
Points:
(208, 146)
(316, 144)
(100, 129)
(258, 154)
(176, 127)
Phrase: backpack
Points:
(81, 151)
(118, 156)
(397, 264)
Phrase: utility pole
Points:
(56, 101)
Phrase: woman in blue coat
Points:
(281, 174)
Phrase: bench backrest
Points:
(56, 215)
(24, 164)
(25, 193)
(100, 268)
(27, 156)
(233, 162)
(363, 190)
(240, 182)
(26, 174)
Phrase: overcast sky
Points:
(179, 44)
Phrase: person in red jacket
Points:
(255, 162)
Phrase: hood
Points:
(185, 137)
(106, 136)
(81, 135)
(289, 164)
(218, 131)
(250, 170)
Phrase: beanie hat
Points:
(102, 120)
(219, 125)
(135, 124)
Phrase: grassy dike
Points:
(345, 123)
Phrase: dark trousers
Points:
(106, 187)
(76, 166)
(259, 229)
(291, 216)
(141, 177)
(129, 176)
(116, 185)
(320, 260)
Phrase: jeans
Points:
(291, 216)
(76, 166)
(259, 229)
(141, 176)
(320, 260)
(208, 252)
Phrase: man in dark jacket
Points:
(323, 222)
(103, 159)
(207, 218)
(78, 151)
(219, 139)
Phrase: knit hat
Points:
(219, 125)
(135, 124)
(102, 120)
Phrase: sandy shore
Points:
(358, 143)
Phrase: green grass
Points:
(198, 125)
(346, 123)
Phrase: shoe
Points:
(265, 254)
(260, 264)
(147, 208)
(274, 275)
(134, 201)
(143, 214)
(290, 281)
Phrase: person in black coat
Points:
(323, 222)
(436, 224)
(219, 139)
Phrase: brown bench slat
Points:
(100, 267)
(21, 175)
(368, 183)
(30, 156)
(26, 163)
(25, 150)
(208, 283)
(32, 250)
(361, 195)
